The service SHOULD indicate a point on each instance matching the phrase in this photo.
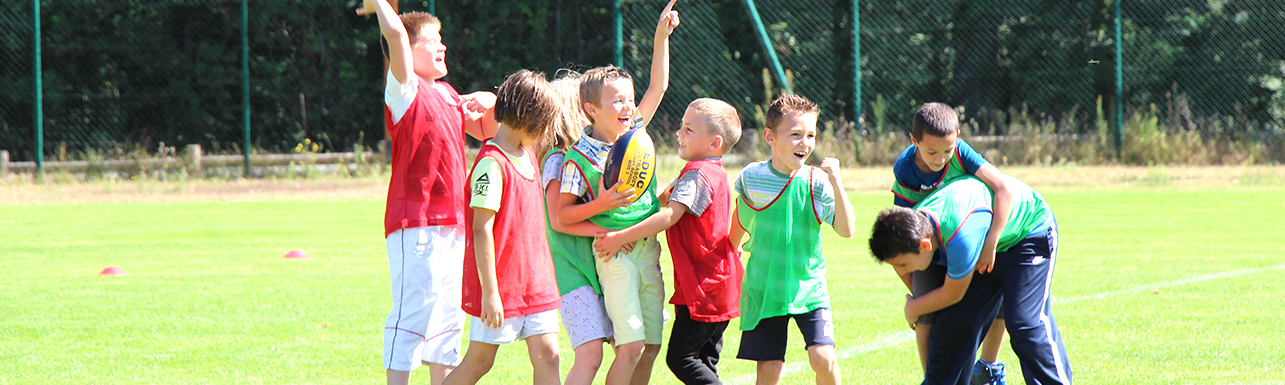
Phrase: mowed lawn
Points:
(1152, 286)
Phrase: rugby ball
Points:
(633, 160)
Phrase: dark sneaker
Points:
(988, 374)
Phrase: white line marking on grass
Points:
(908, 336)
(1181, 282)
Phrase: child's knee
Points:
(545, 356)
(589, 355)
(631, 351)
(822, 358)
(651, 351)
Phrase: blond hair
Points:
(594, 79)
(720, 117)
(525, 103)
(787, 104)
(416, 21)
(569, 126)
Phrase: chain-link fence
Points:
(716, 53)
(1212, 69)
(122, 76)
(128, 76)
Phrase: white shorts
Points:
(514, 329)
(584, 314)
(426, 265)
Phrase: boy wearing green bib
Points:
(782, 206)
(935, 157)
(632, 287)
(946, 230)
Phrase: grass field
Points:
(1157, 282)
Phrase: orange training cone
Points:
(112, 270)
(296, 254)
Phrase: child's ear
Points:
(767, 135)
(925, 244)
(913, 142)
(717, 143)
(590, 108)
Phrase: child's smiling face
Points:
(792, 141)
(615, 109)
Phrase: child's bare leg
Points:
(588, 358)
(399, 377)
(477, 361)
(543, 350)
(825, 363)
(622, 368)
(921, 339)
(993, 341)
(769, 372)
(642, 371)
(437, 373)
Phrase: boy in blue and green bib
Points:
(936, 156)
(947, 229)
(782, 206)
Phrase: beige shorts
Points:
(635, 293)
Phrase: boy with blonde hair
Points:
(583, 311)
(782, 205)
(424, 217)
(696, 219)
(631, 282)
(509, 287)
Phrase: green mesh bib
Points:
(954, 169)
(952, 203)
(621, 217)
(572, 254)
(785, 273)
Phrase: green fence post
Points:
(245, 79)
(618, 18)
(856, 65)
(36, 90)
(1119, 81)
(432, 7)
(767, 46)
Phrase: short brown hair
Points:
(570, 124)
(593, 80)
(721, 119)
(525, 103)
(787, 104)
(936, 119)
(897, 231)
(416, 21)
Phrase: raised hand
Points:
(668, 20)
(830, 166)
(368, 6)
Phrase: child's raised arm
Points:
(845, 221)
(400, 61)
(659, 64)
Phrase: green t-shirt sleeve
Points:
(486, 185)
